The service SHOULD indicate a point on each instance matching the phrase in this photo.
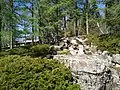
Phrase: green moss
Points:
(64, 51)
(116, 68)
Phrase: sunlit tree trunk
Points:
(87, 24)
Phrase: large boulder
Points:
(91, 68)
(92, 72)
(116, 58)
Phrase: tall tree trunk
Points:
(57, 29)
(100, 28)
(76, 27)
(74, 33)
(64, 28)
(87, 23)
(11, 39)
(12, 26)
(32, 12)
(0, 26)
(80, 26)
(40, 41)
(39, 23)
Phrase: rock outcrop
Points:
(92, 69)
(116, 58)
(92, 72)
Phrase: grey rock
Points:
(92, 72)
(91, 68)
(116, 58)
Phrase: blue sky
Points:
(101, 7)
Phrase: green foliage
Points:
(109, 42)
(93, 38)
(17, 51)
(52, 50)
(35, 51)
(3, 53)
(113, 14)
(40, 50)
(25, 73)
(64, 51)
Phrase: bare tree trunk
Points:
(40, 41)
(57, 29)
(74, 29)
(11, 39)
(0, 27)
(79, 27)
(32, 22)
(76, 21)
(100, 28)
(87, 23)
(12, 26)
(64, 28)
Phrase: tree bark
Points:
(76, 21)
(87, 23)
(32, 23)
(64, 28)
(39, 23)
(0, 26)
(100, 28)
(12, 26)
(57, 29)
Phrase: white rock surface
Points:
(116, 58)
(92, 72)
(91, 68)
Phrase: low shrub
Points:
(25, 73)
(52, 50)
(106, 42)
(3, 53)
(40, 50)
(17, 51)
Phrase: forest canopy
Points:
(46, 21)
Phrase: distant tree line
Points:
(48, 20)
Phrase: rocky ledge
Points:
(95, 71)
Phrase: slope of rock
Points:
(92, 69)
